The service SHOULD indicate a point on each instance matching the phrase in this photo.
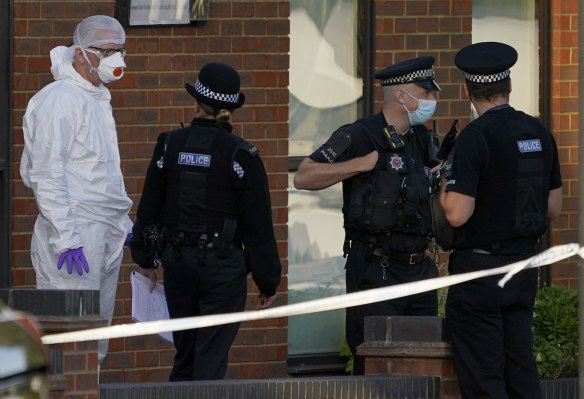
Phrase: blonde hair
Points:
(222, 115)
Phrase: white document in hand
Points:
(146, 305)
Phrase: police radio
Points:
(433, 146)
(393, 138)
(448, 142)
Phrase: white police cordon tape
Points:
(549, 256)
(543, 258)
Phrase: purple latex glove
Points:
(74, 256)
(128, 239)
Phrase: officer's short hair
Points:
(485, 92)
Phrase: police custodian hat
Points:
(418, 70)
(486, 62)
(218, 86)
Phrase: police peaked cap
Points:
(486, 62)
(217, 85)
(418, 70)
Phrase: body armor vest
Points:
(198, 164)
(394, 196)
(519, 210)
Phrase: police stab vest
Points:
(394, 196)
(519, 158)
(198, 164)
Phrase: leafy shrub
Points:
(345, 352)
(442, 295)
(555, 325)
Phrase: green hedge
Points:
(555, 323)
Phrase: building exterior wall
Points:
(564, 105)
(253, 37)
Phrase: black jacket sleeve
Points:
(255, 212)
(150, 206)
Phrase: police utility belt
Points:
(401, 257)
(376, 246)
(204, 240)
(522, 247)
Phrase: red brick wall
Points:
(407, 29)
(252, 36)
(565, 129)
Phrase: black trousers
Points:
(364, 271)
(491, 330)
(195, 286)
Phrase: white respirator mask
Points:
(110, 68)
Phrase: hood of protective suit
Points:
(62, 68)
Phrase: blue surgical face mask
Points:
(424, 111)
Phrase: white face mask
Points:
(110, 68)
(424, 111)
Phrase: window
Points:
(514, 23)
(326, 91)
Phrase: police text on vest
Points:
(185, 158)
(529, 145)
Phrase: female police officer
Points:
(206, 194)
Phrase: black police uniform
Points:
(207, 191)
(386, 218)
(508, 162)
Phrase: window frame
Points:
(332, 363)
(544, 8)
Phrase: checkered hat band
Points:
(409, 77)
(487, 78)
(205, 91)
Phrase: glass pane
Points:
(513, 22)
(325, 88)
(316, 268)
(325, 83)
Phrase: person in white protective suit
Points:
(71, 161)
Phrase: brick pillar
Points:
(72, 369)
(409, 345)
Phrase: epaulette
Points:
(244, 145)
(247, 147)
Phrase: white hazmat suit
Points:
(71, 161)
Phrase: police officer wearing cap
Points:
(205, 212)
(383, 161)
(501, 182)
